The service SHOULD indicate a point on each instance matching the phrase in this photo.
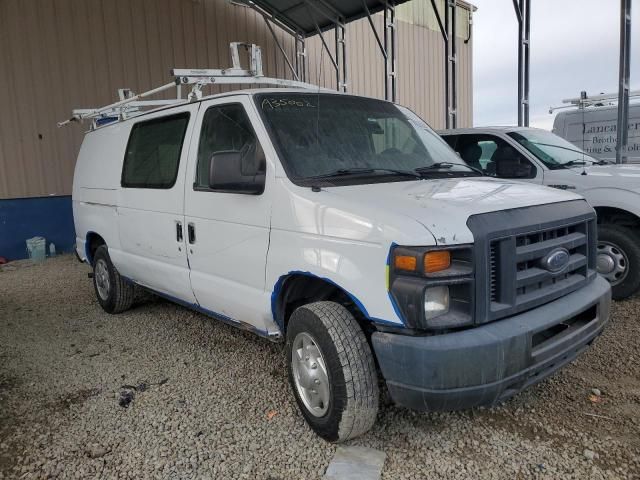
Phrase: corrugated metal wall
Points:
(59, 54)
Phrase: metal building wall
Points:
(59, 54)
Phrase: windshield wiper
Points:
(364, 171)
(576, 162)
(447, 165)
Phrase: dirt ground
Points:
(163, 392)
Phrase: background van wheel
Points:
(332, 371)
(618, 259)
(114, 294)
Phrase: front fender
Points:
(358, 268)
(627, 200)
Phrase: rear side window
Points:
(153, 152)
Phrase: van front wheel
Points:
(114, 293)
(619, 259)
(332, 371)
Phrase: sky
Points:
(574, 47)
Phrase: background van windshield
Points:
(552, 150)
(319, 134)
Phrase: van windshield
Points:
(554, 151)
(347, 140)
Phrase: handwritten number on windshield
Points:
(274, 103)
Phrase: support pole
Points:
(527, 43)
(523, 16)
(623, 82)
(387, 47)
(453, 63)
(447, 75)
(300, 60)
(343, 43)
(386, 53)
(391, 26)
(341, 56)
(448, 31)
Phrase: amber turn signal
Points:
(405, 262)
(437, 261)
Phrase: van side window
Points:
(153, 152)
(225, 129)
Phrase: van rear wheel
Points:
(619, 259)
(114, 294)
(332, 371)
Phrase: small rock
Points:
(126, 397)
(97, 451)
(590, 454)
(596, 392)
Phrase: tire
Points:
(114, 293)
(619, 248)
(350, 373)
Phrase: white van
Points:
(346, 227)
(538, 156)
(594, 130)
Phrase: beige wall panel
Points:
(56, 55)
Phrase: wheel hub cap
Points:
(310, 374)
(612, 262)
(101, 274)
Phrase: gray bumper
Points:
(489, 363)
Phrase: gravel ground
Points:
(210, 401)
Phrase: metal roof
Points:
(306, 17)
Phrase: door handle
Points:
(179, 236)
(191, 232)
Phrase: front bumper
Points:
(487, 364)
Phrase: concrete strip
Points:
(355, 463)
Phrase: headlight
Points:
(432, 287)
(436, 301)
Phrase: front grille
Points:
(509, 248)
(519, 281)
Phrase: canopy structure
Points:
(305, 18)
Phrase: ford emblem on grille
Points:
(556, 260)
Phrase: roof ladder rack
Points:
(131, 104)
(585, 100)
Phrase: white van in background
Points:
(539, 156)
(594, 130)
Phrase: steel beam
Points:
(293, 69)
(387, 47)
(623, 82)
(523, 16)
(448, 30)
(453, 66)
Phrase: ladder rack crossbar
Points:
(590, 100)
(197, 78)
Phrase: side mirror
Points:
(238, 171)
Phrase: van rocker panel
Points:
(488, 364)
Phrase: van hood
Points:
(443, 206)
(625, 176)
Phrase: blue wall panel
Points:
(22, 218)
